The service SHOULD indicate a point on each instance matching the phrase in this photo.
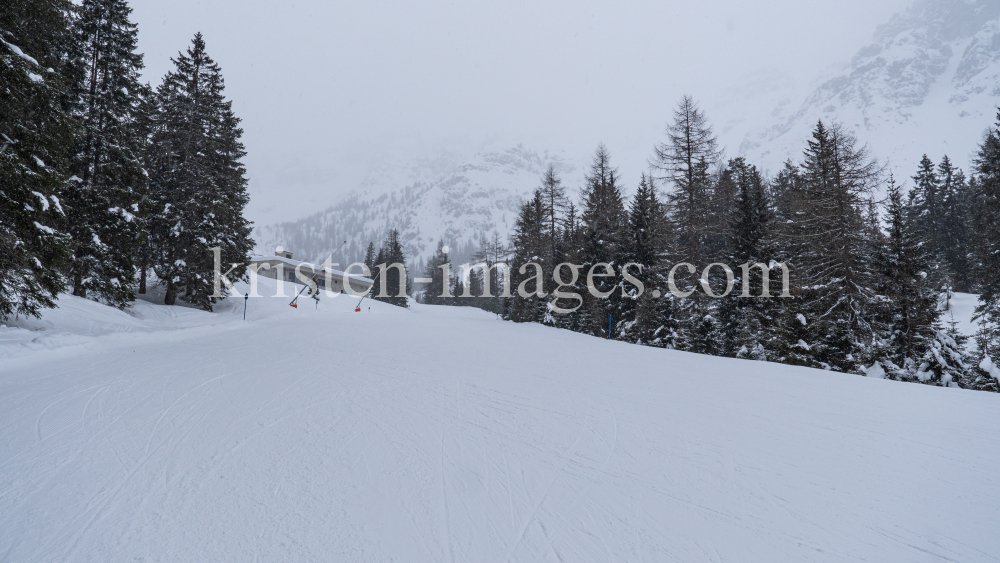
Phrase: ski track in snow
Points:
(443, 434)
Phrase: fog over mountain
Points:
(330, 91)
(927, 82)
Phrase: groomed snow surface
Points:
(442, 434)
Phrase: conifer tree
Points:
(651, 321)
(781, 189)
(392, 253)
(827, 236)
(36, 132)
(572, 243)
(746, 321)
(927, 207)
(912, 343)
(103, 201)
(492, 252)
(725, 191)
(528, 245)
(986, 224)
(197, 180)
(370, 258)
(685, 159)
(434, 292)
(143, 247)
(554, 197)
(604, 240)
(955, 225)
(925, 204)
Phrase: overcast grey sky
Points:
(327, 89)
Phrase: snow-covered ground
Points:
(443, 434)
(961, 308)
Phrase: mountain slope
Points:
(928, 82)
(459, 204)
(301, 435)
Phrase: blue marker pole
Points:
(246, 298)
(609, 327)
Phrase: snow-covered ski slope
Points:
(442, 434)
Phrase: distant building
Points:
(282, 266)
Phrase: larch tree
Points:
(828, 237)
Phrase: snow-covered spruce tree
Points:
(827, 241)
(36, 132)
(392, 253)
(370, 258)
(652, 323)
(603, 240)
(925, 205)
(143, 250)
(572, 242)
(197, 183)
(911, 342)
(528, 246)
(725, 191)
(746, 323)
(955, 224)
(780, 189)
(103, 201)
(927, 218)
(434, 293)
(986, 226)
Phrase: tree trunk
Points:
(171, 297)
(78, 289)
(142, 280)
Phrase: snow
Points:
(989, 367)
(41, 197)
(876, 371)
(123, 212)
(55, 200)
(443, 434)
(961, 308)
(17, 51)
(44, 229)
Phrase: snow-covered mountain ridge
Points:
(928, 83)
(461, 206)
